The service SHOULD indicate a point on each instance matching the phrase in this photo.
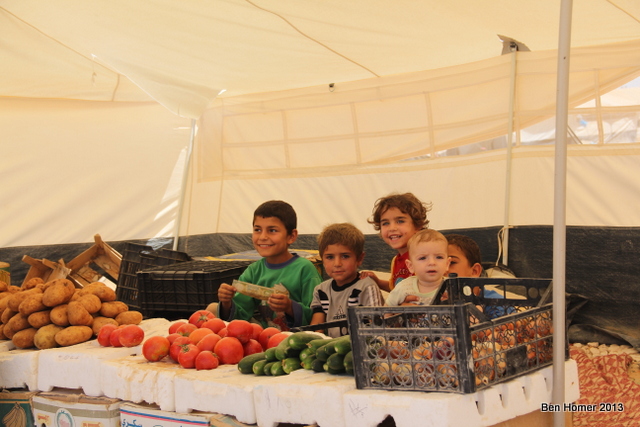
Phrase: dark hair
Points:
(407, 203)
(341, 234)
(467, 245)
(278, 209)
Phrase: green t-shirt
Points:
(298, 275)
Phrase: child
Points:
(274, 230)
(341, 247)
(465, 256)
(398, 217)
(429, 261)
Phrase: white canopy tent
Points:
(83, 86)
(326, 104)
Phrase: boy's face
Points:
(429, 261)
(341, 263)
(460, 263)
(271, 240)
(396, 227)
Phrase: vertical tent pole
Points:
(183, 187)
(559, 216)
(507, 187)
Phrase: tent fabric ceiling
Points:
(183, 53)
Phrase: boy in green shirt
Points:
(274, 230)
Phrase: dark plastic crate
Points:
(454, 348)
(135, 258)
(186, 287)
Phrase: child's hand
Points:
(410, 300)
(280, 303)
(365, 274)
(226, 293)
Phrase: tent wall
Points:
(72, 169)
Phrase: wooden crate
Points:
(100, 254)
(45, 269)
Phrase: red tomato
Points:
(173, 336)
(198, 334)
(114, 337)
(240, 329)
(200, 316)
(263, 339)
(131, 335)
(175, 325)
(206, 360)
(229, 350)
(186, 329)
(257, 329)
(104, 333)
(155, 348)
(223, 332)
(251, 347)
(215, 324)
(275, 339)
(177, 345)
(208, 342)
(187, 356)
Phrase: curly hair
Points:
(406, 203)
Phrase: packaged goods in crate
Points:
(135, 258)
(453, 348)
(187, 286)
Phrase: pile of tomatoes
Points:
(206, 341)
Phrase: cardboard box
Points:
(15, 408)
(139, 415)
(71, 408)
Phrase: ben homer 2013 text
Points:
(590, 407)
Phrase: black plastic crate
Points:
(454, 348)
(135, 258)
(186, 287)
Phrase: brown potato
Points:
(76, 295)
(113, 308)
(59, 315)
(78, 315)
(18, 322)
(40, 318)
(2, 335)
(45, 337)
(24, 338)
(31, 304)
(100, 321)
(13, 289)
(130, 317)
(3, 286)
(59, 292)
(16, 299)
(7, 331)
(72, 335)
(6, 315)
(32, 283)
(91, 302)
(4, 302)
(100, 290)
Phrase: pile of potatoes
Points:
(56, 313)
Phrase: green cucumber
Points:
(270, 354)
(331, 347)
(277, 369)
(317, 365)
(316, 344)
(258, 367)
(343, 345)
(245, 365)
(267, 367)
(336, 362)
(304, 353)
(291, 364)
(322, 354)
(348, 363)
(307, 363)
(299, 340)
